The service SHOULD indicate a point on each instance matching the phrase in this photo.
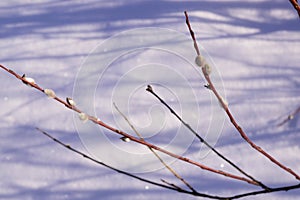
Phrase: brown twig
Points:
(137, 140)
(202, 140)
(296, 6)
(290, 116)
(226, 109)
(192, 33)
(169, 186)
(278, 189)
(155, 154)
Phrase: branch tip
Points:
(149, 88)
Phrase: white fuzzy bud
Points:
(200, 61)
(50, 93)
(125, 139)
(28, 80)
(70, 101)
(83, 117)
(207, 69)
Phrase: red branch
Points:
(232, 120)
(296, 6)
(132, 138)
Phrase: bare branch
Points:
(290, 116)
(296, 6)
(155, 154)
(232, 119)
(168, 186)
(150, 89)
(137, 140)
(278, 189)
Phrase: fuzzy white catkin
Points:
(50, 93)
(207, 69)
(83, 117)
(200, 61)
(125, 139)
(29, 80)
(70, 101)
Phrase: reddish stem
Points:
(296, 6)
(137, 140)
(243, 134)
(232, 120)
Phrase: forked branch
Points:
(154, 153)
(206, 70)
(202, 140)
(169, 185)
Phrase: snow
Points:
(255, 48)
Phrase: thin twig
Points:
(296, 6)
(171, 184)
(232, 119)
(202, 140)
(278, 189)
(290, 116)
(137, 140)
(168, 186)
(155, 154)
(192, 34)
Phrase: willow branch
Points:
(271, 190)
(155, 154)
(97, 121)
(168, 186)
(224, 105)
(296, 6)
(290, 116)
(202, 140)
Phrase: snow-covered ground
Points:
(255, 46)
